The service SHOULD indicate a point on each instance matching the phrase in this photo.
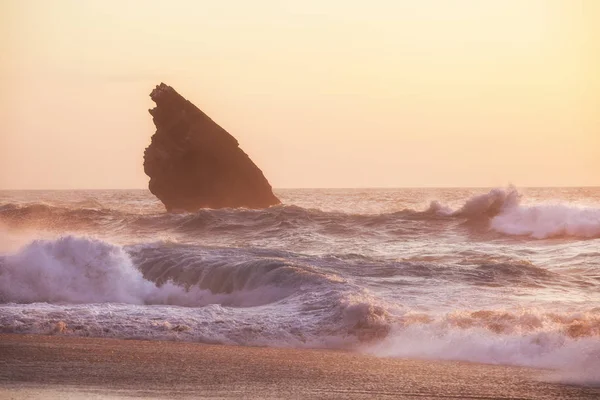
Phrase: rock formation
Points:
(193, 163)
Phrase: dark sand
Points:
(73, 368)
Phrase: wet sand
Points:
(34, 367)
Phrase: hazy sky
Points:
(319, 93)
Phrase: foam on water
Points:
(76, 270)
(466, 279)
(574, 359)
(548, 221)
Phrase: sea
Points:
(489, 275)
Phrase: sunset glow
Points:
(319, 93)
(310, 199)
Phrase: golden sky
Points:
(320, 93)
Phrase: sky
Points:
(319, 93)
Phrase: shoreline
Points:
(37, 366)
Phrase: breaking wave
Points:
(85, 270)
(76, 270)
(79, 270)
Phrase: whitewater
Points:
(501, 276)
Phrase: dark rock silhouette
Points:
(193, 163)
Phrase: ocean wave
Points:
(73, 275)
(48, 216)
(486, 205)
(79, 270)
(165, 290)
(72, 269)
(75, 270)
(229, 271)
(513, 274)
(84, 270)
(500, 210)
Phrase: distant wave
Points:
(486, 205)
(499, 211)
(540, 221)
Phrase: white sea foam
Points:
(73, 270)
(549, 220)
(566, 344)
(528, 339)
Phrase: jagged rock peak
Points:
(194, 163)
(160, 89)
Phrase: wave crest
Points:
(84, 270)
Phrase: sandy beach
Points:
(34, 366)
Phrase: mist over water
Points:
(497, 276)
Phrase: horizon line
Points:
(337, 188)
